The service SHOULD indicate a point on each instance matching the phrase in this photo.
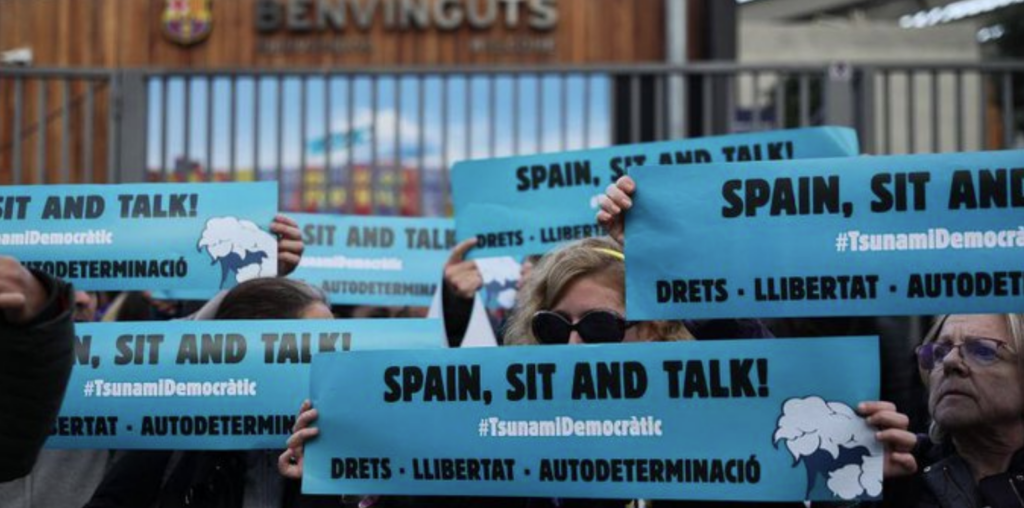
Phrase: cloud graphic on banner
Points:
(243, 249)
(832, 441)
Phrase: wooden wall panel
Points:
(126, 33)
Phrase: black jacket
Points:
(947, 482)
(35, 364)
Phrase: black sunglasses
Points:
(595, 327)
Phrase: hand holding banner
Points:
(721, 420)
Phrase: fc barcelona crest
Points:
(187, 22)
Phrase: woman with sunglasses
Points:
(576, 295)
(972, 367)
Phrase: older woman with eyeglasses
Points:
(972, 367)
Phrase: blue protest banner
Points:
(187, 385)
(732, 420)
(865, 236)
(530, 204)
(360, 260)
(143, 236)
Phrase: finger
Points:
(906, 462)
(286, 220)
(299, 439)
(608, 206)
(288, 260)
(285, 467)
(12, 301)
(306, 406)
(604, 217)
(304, 419)
(619, 197)
(294, 246)
(626, 184)
(873, 406)
(463, 267)
(289, 466)
(286, 232)
(889, 420)
(897, 440)
(460, 250)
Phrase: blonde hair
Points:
(591, 257)
(1014, 323)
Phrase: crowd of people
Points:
(967, 452)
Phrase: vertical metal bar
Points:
(374, 173)
(586, 110)
(1007, 110)
(188, 122)
(563, 115)
(421, 117)
(65, 133)
(256, 119)
(887, 112)
(684, 104)
(468, 112)
(41, 125)
(303, 137)
(398, 170)
(780, 100)
(936, 122)
(540, 114)
(114, 94)
(805, 100)
(233, 130)
(755, 103)
(731, 89)
(164, 121)
(492, 108)
(634, 109)
(279, 170)
(445, 191)
(659, 107)
(983, 97)
(516, 83)
(87, 133)
(912, 121)
(959, 110)
(707, 96)
(328, 171)
(350, 194)
(208, 174)
(16, 134)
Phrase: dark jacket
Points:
(35, 364)
(949, 483)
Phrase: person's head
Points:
(274, 298)
(577, 293)
(85, 306)
(972, 366)
(526, 269)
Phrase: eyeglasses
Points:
(978, 350)
(595, 327)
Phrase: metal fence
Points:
(383, 140)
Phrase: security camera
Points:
(21, 57)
